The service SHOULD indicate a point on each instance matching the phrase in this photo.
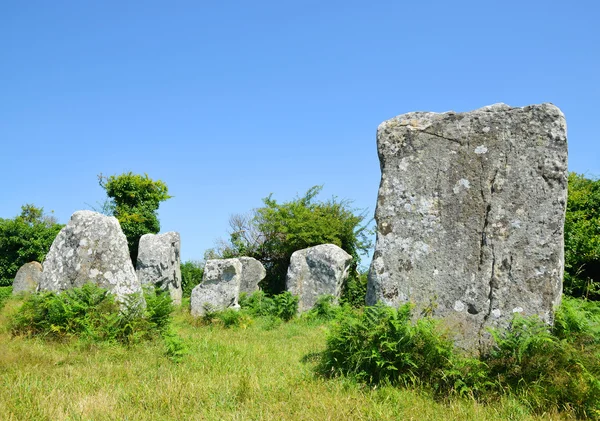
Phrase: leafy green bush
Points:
(544, 371)
(286, 305)
(92, 313)
(234, 318)
(191, 275)
(325, 308)
(258, 304)
(355, 290)
(382, 344)
(5, 293)
(582, 238)
(23, 239)
(175, 347)
(543, 368)
(134, 201)
(274, 231)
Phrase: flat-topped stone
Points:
(470, 215)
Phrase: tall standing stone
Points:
(27, 278)
(159, 263)
(470, 215)
(90, 248)
(316, 271)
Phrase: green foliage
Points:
(355, 292)
(175, 347)
(543, 369)
(324, 308)
(23, 239)
(273, 232)
(191, 275)
(234, 318)
(286, 305)
(582, 238)
(135, 200)
(577, 320)
(283, 306)
(91, 313)
(381, 344)
(5, 293)
(258, 304)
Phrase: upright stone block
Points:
(316, 271)
(27, 278)
(159, 263)
(470, 215)
(90, 248)
(252, 273)
(220, 287)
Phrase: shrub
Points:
(286, 305)
(546, 369)
(582, 238)
(134, 201)
(382, 344)
(5, 293)
(258, 304)
(355, 290)
(92, 313)
(274, 231)
(191, 275)
(25, 238)
(234, 318)
(324, 309)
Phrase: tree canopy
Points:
(25, 238)
(274, 231)
(134, 201)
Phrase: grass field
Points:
(259, 372)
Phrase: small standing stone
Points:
(252, 273)
(159, 264)
(27, 278)
(220, 287)
(316, 271)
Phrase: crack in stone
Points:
(483, 243)
(490, 297)
(442, 137)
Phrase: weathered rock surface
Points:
(252, 273)
(470, 215)
(316, 271)
(27, 278)
(90, 248)
(159, 263)
(220, 287)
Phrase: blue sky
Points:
(228, 102)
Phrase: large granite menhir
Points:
(470, 216)
(90, 248)
(159, 263)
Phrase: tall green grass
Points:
(5, 293)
